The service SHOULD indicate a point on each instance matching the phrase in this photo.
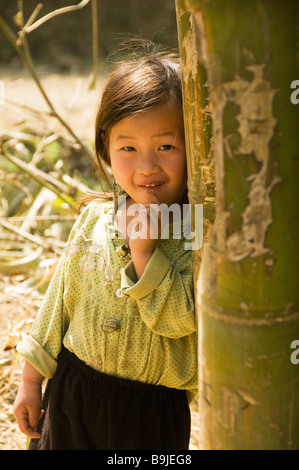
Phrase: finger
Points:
(31, 417)
(152, 211)
(25, 427)
(34, 415)
(154, 214)
(139, 228)
(146, 222)
(154, 197)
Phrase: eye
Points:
(166, 147)
(128, 149)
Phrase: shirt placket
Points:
(112, 324)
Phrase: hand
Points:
(27, 406)
(144, 228)
(143, 231)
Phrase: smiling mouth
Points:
(150, 185)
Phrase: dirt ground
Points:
(77, 104)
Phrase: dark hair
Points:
(147, 76)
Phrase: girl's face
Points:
(147, 153)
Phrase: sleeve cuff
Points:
(40, 359)
(154, 273)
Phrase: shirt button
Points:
(119, 293)
(110, 325)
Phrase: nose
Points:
(148, 164)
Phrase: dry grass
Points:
(18, 308)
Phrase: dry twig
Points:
(29, 27)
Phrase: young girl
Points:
(116, 334)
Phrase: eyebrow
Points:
(160, 134)
(123, 137)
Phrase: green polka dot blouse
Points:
(96, 307)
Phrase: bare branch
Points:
(49, 16)
(32, 17)
(57, 187)
(33, 238)
(95, 52)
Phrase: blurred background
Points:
(65, 43)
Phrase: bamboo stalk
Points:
(248, 297)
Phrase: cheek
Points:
(179, 169)
(121, 170)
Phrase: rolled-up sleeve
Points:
(42, 346)
(37, 356)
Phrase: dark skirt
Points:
(87, 410)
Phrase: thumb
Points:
(34, 415)
(27, 422)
